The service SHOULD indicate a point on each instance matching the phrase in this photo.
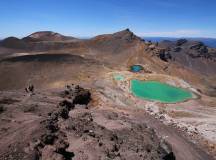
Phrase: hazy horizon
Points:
(87, 37)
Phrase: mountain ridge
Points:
(121, 44)
(210, 42)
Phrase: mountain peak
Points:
(46, 36)
(126, 34)
(125, 31)
(43, 33)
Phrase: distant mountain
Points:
(210, 42)
(13, 42)
(42, 40)
(46, 36)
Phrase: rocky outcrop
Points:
(192, 48)
(53, 143)
(78, 94)
(197, 50)
(192, 54)
(163, 54)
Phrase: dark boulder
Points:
(78, 95)
(82, 97)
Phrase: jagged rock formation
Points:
(192, 48)
(53, 144)
(192, 54)
(163, 54)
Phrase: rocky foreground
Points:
(66, 125)
(74, 124)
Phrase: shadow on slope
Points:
(46, 58)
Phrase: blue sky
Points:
(84, 18)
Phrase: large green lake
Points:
(153, 90)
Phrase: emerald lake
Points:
(157, 91)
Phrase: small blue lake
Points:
(136, 68)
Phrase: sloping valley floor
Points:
(51, 125)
